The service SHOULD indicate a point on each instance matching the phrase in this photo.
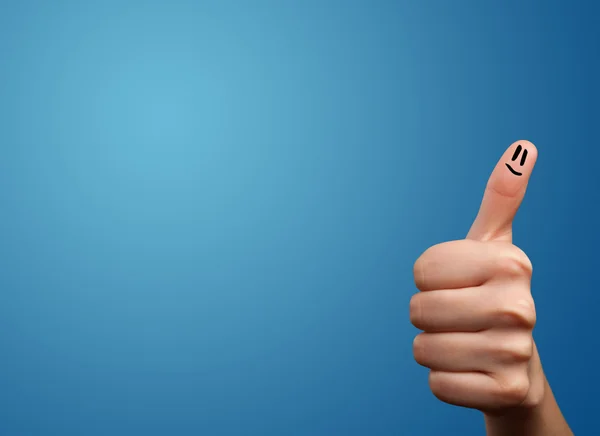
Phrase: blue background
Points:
(210, 210)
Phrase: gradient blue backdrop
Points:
(210, 209)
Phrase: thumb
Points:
(504, 193)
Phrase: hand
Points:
(476, 308)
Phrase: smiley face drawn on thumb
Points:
(504, 193)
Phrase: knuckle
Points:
(535, 395)
(518, 314)
(415, 311)
(514, 263)
(523, 257)
(419, 272)
(427, 260)
(438, 386)
(419, 352)
(513, 390)
(516, 349)
(422, 264)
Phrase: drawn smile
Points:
(514, 158)
(513, 171)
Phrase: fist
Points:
(475, 305)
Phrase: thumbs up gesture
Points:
(475, 306)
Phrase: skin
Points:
(477, 315)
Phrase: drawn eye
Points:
(516, 155)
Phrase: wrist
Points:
(543, 418)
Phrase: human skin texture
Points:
(477, 314)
